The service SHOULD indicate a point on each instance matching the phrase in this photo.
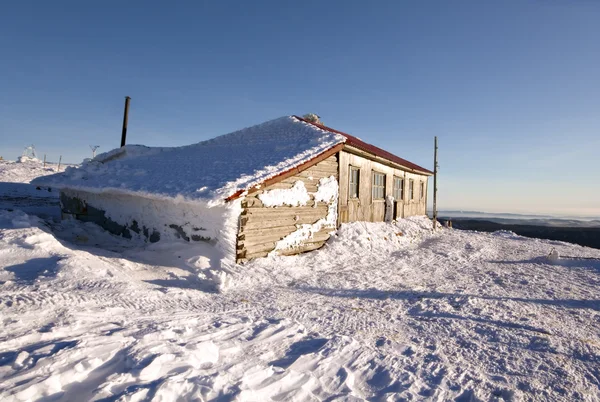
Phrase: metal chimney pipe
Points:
(125, 116)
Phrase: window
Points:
(378, 186)
(354, 182)
(422, 191)
(411, 189)
(398, 188)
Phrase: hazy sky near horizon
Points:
(511, 88)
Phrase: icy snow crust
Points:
(383, 312)
(210, 170)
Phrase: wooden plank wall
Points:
(416, 206)
(262, 227)
(365, 208)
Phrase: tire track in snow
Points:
(109, 297)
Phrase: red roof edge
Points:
(372, 149)
(290, 172)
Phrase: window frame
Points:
(411, 189)
(401, 188)
(380, 188)
(421, 190)
(350, 183)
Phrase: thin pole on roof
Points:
(435, 169)
(125, 117)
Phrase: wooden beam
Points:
(320, 210)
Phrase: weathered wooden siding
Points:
(417, 206)
(364, 208)
(262, 227)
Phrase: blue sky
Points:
(511, 88)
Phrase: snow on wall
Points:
(327, 191)
(298, 195)
(211, 170)
(389, 208)
(172, 218)
(294, 197)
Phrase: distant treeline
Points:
(584, 236)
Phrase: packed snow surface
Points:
(25, 170)
(383, 312)
(210, 170)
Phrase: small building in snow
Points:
(278, 187)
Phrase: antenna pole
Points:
(94, 148)
(435, 169)
(125, 117)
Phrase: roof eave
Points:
(351, 140)
(385, 161)
(288, 173)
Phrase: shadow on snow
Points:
(35, 268)
(593, 304)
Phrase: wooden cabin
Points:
(373, 185)
(280, 187)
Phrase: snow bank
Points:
(172, 219)
(381, 237)
(17, 220)
(210, 170)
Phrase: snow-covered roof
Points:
(215, 170)
(372, 149)
(210, 170)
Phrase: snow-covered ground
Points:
(16, 192)
(25, 170)
(382, 312)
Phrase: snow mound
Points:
(28, 159)
(553, 256)
(17, 220)
(505, 233)
(380, 235)
(211, 170)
